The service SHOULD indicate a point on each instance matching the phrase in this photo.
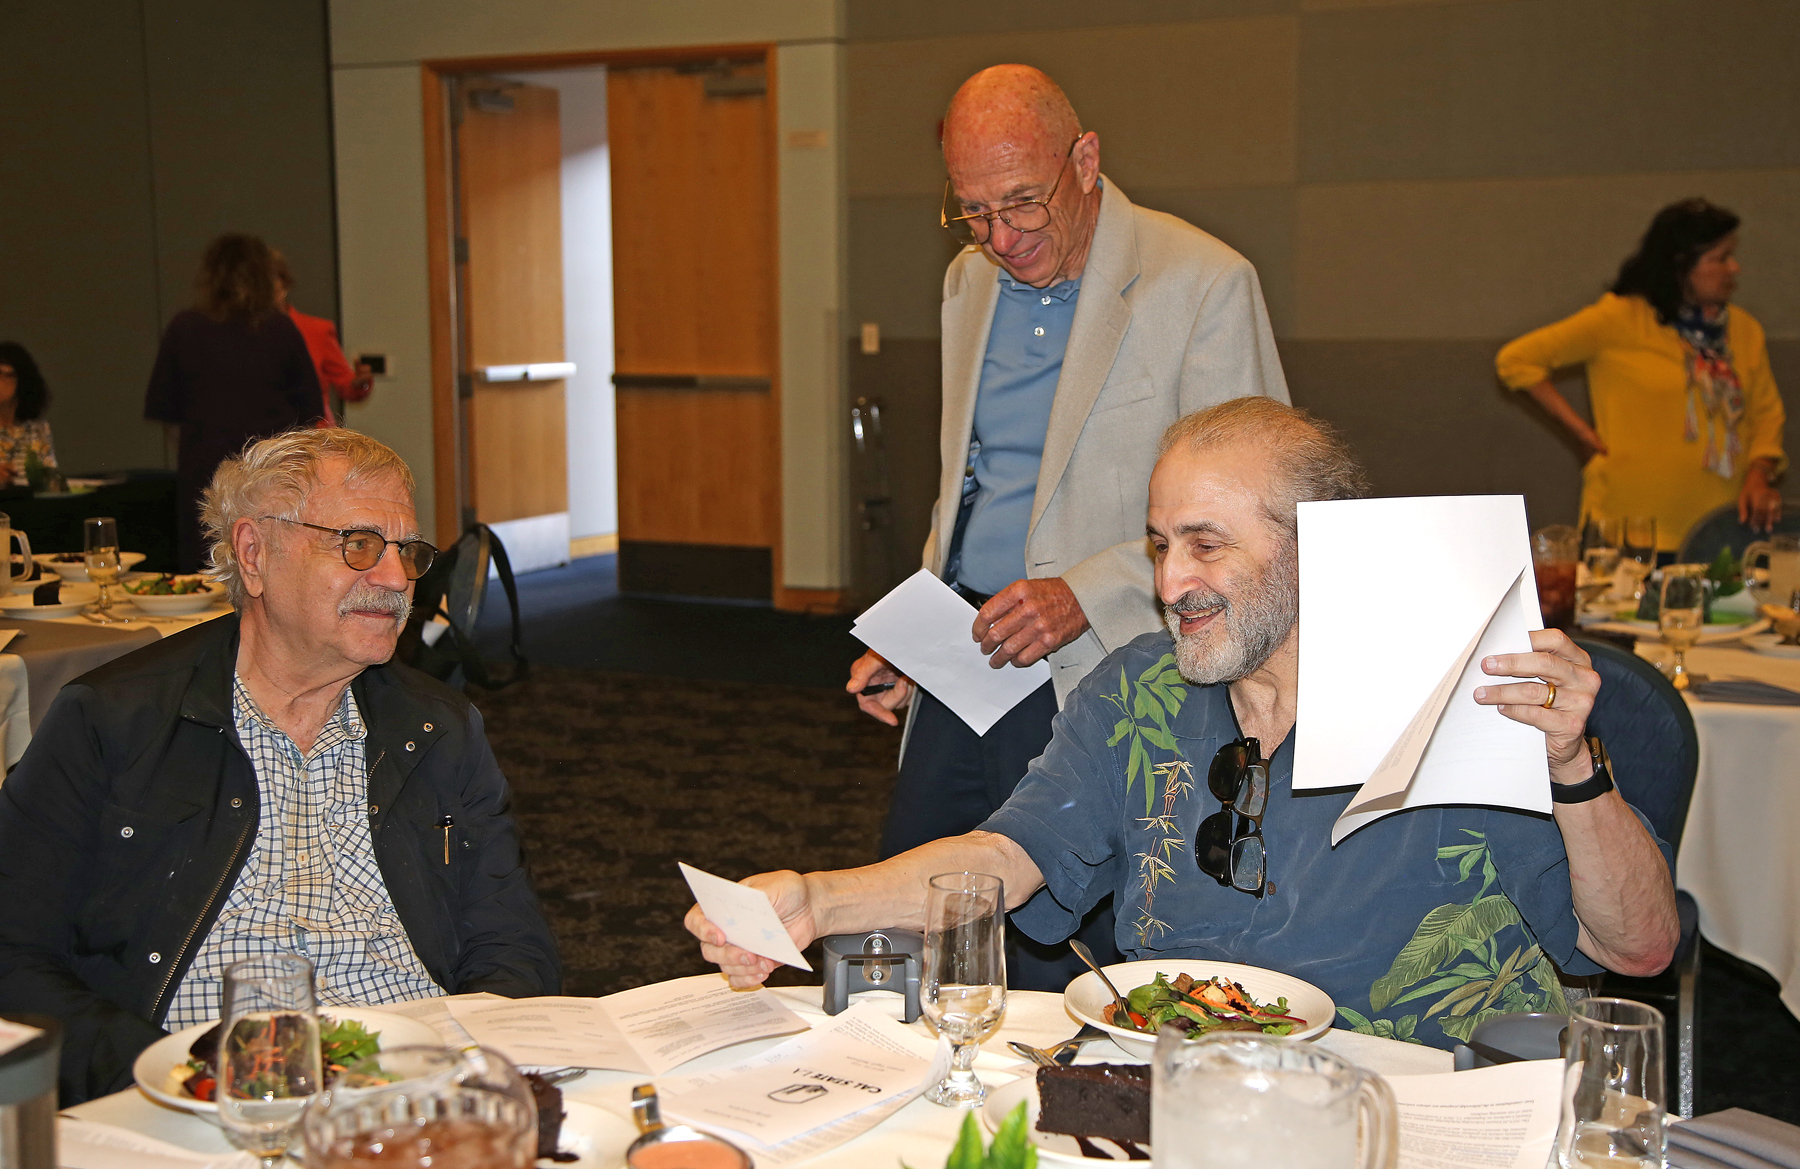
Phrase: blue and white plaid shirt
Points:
(311, 885)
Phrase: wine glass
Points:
(100, 547)
(963, 988)
(1683, 611)
(268, 1061)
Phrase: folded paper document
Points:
(1400, 600)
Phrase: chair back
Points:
(1719, 528)
(456, 587)
(1649, 734)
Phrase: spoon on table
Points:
(1087, 957)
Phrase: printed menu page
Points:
(1501, 1117)
(813, 1092)
(647, 1029)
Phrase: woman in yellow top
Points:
(1685, 409)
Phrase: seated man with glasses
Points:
(265, 782)
(1167, 784)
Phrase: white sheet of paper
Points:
(746, 916)
(436, 1014)
(16, 1035)
(647, 1029)
(860, 1060)
(1400, 599)
(6, 636)
(922, 627)
(1501, 1117)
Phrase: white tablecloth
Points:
(15, 698)
(1738, 855)
(920, 1134)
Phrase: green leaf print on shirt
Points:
(1453, 963)
(1149, 705)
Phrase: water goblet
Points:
(100, 549)
(268, 1062)
(962, 989)
(1682, 615)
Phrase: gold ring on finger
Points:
(1550, 701)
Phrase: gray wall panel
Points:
(241, 133)
(888, 20)
(898, 254)
(76, 224)
(1549, 87)
(1257, 221)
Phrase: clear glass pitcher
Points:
(1781, 554)
(7, 535)
(1235, 1100)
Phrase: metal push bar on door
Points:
(544, 371)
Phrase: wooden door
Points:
(694, 295)
(509, 202)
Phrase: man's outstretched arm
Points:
(879, 896)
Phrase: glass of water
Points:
(1236, 1100)
(962, 988)
(268, 1061)
(1682, 616)
(1613, 1089)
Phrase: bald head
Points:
(1011, 137)
(1009, 109)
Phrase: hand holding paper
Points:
(749, 921)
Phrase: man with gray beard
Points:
(265, 782)
(1168, 784)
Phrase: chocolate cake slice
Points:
(548, 1098)
(1106, 1100)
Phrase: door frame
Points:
(448, 449)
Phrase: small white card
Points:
(925, 630)
(6, 636)
(746, 916)
(15, 1035)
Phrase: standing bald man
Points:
(1076, 327)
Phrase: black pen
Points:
(877, 688)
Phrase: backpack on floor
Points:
(454, 590)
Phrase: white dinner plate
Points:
(1053, 1147)
(1086, 998)
(173, 604)
(1772, 644)
(597, 1138)
(75, 598)
(77, 569)
(154, 1063)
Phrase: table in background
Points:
(920, 1134)
(144, 504)
(46, 655)
(1738, 857)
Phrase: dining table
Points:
(1737, 858)
(46, 653)
(920, 1134)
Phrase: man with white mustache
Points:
(265, 782)
(1167, 784)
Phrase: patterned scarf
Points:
(1712, 387)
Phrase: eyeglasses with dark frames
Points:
(1239, 780)
(1025, 215)
(363, 548)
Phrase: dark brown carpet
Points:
(618, 776)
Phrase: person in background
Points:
(1686, 414)
(24, 431)
(230, 370)
(336, 378)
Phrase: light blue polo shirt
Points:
(1024, 359)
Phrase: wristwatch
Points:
(1594, 786)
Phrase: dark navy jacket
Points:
(126, 824)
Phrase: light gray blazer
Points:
(1169, 320)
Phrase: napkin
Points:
(1734, 1139)
(87, 1144)
(1745, 690)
